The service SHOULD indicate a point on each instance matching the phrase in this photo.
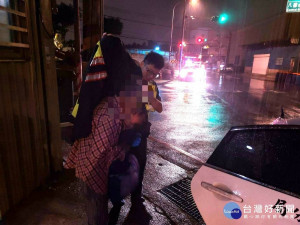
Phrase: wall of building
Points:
(237, 52)
(266, 22)
(286, 53)
(30, 133)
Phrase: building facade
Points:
(268, 39)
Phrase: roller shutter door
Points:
(260, 64)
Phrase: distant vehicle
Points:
(187, 74)
(208, 66)
(251, 178)
(197, 64)
(227, 68)
(192, 73)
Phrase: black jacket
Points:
(119, 66)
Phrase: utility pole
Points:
(47, 54)
(182, 37)
(172, 28)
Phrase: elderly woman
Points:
(92, 156)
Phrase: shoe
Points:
(115, 212)
(138, 213)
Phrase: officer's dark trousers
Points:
(141, 155)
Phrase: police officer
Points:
(150, 68)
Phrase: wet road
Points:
(198, 114)
(196, 117)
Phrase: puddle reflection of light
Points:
(199, 81)
(183, 73)
(215, 115)
(220, 81)
(191, 109)
(200, 75)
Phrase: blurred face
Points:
(131, 104)
(149, 71)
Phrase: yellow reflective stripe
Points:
(75, 109)
(97, 60)
(148, 106)
(99, 51)
(154, 90)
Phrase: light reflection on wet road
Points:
(197, 115)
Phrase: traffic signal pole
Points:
(182, 37)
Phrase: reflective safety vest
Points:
(96, 71)
(151, 87)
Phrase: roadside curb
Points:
(258, 77)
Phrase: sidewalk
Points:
(267, 77)
(62, 202)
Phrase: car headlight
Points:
(183, 73)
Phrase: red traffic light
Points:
(199, 40)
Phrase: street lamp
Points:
(223, 19)
(172, 27)
(193, 3)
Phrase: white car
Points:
(192, 73)
(253, 177)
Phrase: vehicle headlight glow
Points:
(199, 74)
(183, 73)
(249, 147)
(189, 62)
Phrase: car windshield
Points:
(270, 156)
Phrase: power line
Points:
(135, 21)
(142, 39)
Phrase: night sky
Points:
(145, 20)
(151, 19)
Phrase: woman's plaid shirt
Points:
(92, 156)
